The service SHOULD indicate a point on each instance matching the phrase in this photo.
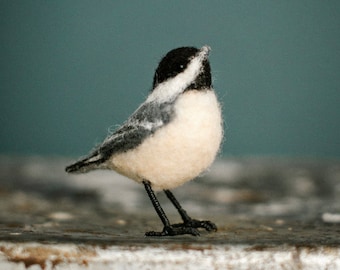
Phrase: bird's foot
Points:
(188, 227)
(174, 230)
(194, 223)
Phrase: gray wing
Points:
(141, 124)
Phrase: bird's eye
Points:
(181, 66)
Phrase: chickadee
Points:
(170, 139)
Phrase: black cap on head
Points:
(176, 61)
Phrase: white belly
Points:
(181, 150)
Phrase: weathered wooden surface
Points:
(271, 213)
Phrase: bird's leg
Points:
(187, 220)
(168, 229)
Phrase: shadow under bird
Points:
(170, 139)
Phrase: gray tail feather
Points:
(87, 164)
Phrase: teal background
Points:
(71, 70)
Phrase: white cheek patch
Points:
(171, 88)
(179, 151)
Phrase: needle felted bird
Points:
(170, 139)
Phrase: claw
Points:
(194, 223)
(188, 227)
(208, 225)
(172, 231)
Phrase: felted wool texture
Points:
(170, 89)
(141, 125)
(179, 151)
